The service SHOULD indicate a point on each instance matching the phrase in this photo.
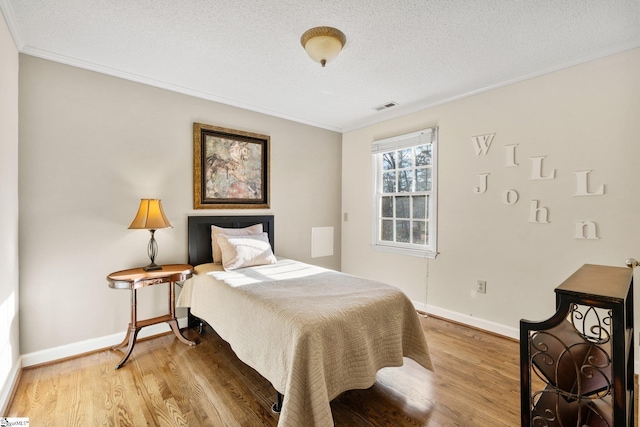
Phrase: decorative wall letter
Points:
(582, 185)
(483, 184)
(535, 210)
(589, 227)
(584, 230)
(536, 169)
(481, 143)
(510, 197)
(510, 159)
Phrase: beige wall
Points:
(90, 147)
(9, 331)
(582, 118)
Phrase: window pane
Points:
(423, 155)
(389, 160)
(423, 179)
(405, 192)
(405, 181)
(405, 158)
(402, 207)
(426, 231)
(387, 207)
(387, 230)
(402, 231)
(419, 207)
(420, 232)
(389, 182)
(427, 206)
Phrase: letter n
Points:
(586, 230)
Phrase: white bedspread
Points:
(313, 333)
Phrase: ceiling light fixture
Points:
(323, 43)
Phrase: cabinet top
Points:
(599, 280)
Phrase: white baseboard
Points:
(487, 325)
(5, 393)
(476, 322)
(74, 349)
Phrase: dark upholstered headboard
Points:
(200, 233)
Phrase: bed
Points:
(312, 332)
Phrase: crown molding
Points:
(114, 72)
(10, 19)
(404, 110)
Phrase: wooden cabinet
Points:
(577, 367)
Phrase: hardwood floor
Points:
(476, 383)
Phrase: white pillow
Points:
(215, 231)
(245, 251)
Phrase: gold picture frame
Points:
(230, 168)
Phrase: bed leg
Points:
(194, 321)
(277, 407)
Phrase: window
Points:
(405, 193)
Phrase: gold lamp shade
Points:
(323, 43)
(151, 217)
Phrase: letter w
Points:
(482, 143)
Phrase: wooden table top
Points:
(137, 277)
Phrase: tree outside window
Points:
(404, 170)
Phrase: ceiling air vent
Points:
(385, 106)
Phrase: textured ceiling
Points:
(247, 53)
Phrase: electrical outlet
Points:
(482, 287)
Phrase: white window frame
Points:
(378, 148)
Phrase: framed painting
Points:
(230, 168)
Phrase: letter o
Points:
(510, 197)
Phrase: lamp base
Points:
(152, 250)
(152, 267)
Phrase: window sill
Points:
(404, 251)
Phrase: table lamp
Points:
(151, 217)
